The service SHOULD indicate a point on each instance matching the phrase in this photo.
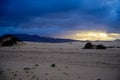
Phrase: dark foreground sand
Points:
(58, 61)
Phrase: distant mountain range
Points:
(36, 38)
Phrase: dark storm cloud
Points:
(18, 11)
(59, 15)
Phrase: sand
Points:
(59, 61)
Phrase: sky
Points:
(61, 18)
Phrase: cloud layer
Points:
(46, 17)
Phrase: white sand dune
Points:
(34, 61)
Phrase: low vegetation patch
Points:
(36, 65)
(91, 46)
(8, 40)
(53, 65)
(27, 68)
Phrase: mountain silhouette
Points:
(36, 38)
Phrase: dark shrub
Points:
(100, 46)
(88, 46)
(91, 46)
(8, 43)
(8, 40)
(27, 68)
(36, 65)
(53, 65)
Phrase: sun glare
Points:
(96, 35)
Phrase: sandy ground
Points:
(59, 61)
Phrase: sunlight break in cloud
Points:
(95, 35)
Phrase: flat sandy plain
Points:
(59, 61)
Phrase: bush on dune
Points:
(88, 46)
(8, 40)
(91, 46)
(100, 46)
(8, 43)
